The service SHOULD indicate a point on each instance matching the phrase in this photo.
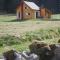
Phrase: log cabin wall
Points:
(45, 13)
(28, 12)
(25, 12)
(42, 12)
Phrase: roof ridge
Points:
(32, 5)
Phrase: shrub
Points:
(42, 34)
(9, 40)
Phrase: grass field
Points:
(17, 28)
(56, 16)
(10, 26)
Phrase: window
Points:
(28, 13)
(25, 7)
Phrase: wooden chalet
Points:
(30, 10)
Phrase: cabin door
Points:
(18, 15)
(37, 14)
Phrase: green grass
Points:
(12, 18)
(19, 47)
(48, 31)
(55, 16)
(18, 28)
(50, 36)
(6, 18)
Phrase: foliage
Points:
(9, 40)
(42, 34)
(21, 43)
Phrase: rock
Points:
(9, 55)
(42, 49)
(29, 56)
(56, 53)
(59, 41)
(25, 55)
(2, 59)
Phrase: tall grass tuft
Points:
(42, 34)
(9, 40)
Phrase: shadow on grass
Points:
(49, 19)
(55, 20)
(16, 20)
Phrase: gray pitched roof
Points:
(32, 5)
